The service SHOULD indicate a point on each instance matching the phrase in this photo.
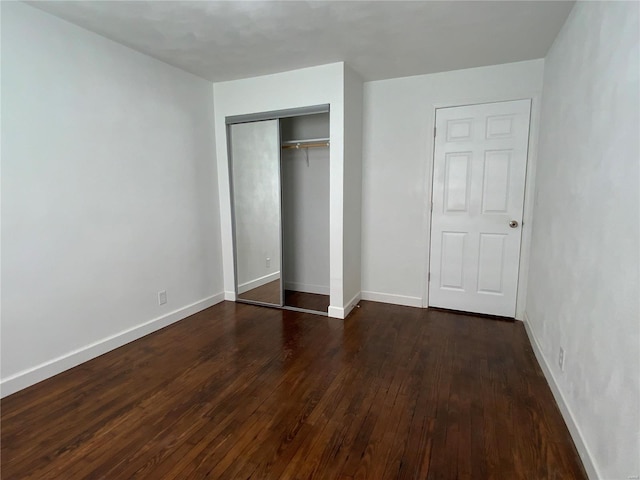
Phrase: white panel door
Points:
(479, 171)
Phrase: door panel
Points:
(255, 182)
(478, 189)
(495, 185)
(456, 189)
(491, 263)
(452, 253)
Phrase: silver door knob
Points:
(513, 223)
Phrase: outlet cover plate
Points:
(162, 297)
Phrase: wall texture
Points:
(109, 195)
(397, 162)
(584, 280)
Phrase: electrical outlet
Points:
(268, 262)
(162, 297)
(561, 359)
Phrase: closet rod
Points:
(307, 145)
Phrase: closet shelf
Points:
(307, 143)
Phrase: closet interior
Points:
(279, 169)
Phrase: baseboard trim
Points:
(230, 296)
(258, 282)
(574, 430)
(343, 312)
(393, 299)
(307, 288)
(31, 376)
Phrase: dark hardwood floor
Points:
(308, 301)
(239, 391)
(270, 293)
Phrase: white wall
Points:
(305, 193)
(109, 194)
(353, 113)
(298, 88)
(584, 279)
(397, 163)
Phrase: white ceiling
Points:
(225, 40)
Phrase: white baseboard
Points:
(574, 430)
(230, 296)
(307, 288)
(394, 299)
(343, 312)
(69, 360)
(258, 282)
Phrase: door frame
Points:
(529, 190)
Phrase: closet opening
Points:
(305, 210)
(279, 178)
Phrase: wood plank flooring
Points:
(308, 301)
(239, 391)
(270, 293)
